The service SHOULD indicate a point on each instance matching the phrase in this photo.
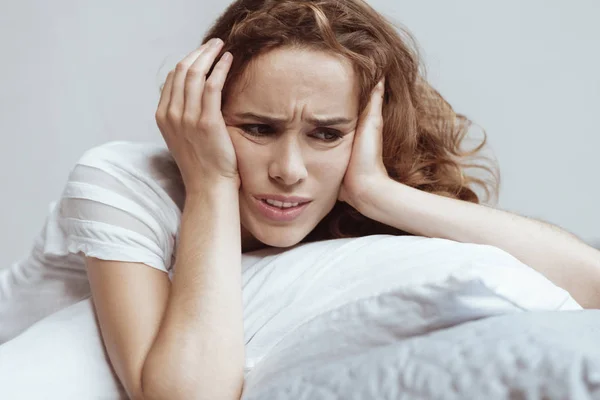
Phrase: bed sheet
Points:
(528, 355)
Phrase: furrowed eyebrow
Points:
(313, 121)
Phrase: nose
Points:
(287, 165)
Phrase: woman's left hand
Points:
(366, 168)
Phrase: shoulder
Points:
(143, 166)
(147, 159)
(121, 202)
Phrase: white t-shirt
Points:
(123, 202)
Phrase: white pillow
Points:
(427, 283)
(59, 357)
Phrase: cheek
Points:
(338, 162)
(245, 152)
(330, 169)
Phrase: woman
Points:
(297, 121)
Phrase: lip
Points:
(284, 199)
(278, 214)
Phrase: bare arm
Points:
(199, 349)
(181, 340)
(562, 257)
(130, 300)
(184, 340)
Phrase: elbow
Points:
(168, 376)
(161, 380)
(161, 385)
(595, 304)
(594, 301)
(137, 392)
(151, 386)
(580, 276)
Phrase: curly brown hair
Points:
(422, 135)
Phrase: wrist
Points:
(394, 204)
(213, 192)
(212, 186)
(368, 202)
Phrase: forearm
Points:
(199, 350)
(561, 257)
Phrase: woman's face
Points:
(281, 149)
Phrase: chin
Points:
(276, 235)
(290, 237)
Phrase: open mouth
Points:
(284, 206)
(279, 212)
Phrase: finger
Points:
(195, 82)
(176, 102)
(165, 96)
(211, 99)
(377, 98)
(373, 111)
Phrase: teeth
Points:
(280, 204)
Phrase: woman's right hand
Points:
(190, 120)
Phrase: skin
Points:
(294, 157)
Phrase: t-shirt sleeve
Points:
(114, 208)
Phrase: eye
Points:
(257, 130)
(333, 136)
(252, 130)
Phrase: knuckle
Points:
(160, 114)
(189, 119)
(377, 123)
(161, 124)
(206, 122)
(173, 115)
(195, 72)
(212, 85)
(181, 67)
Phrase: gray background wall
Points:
(78, 73)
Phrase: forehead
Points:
(283, 79)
